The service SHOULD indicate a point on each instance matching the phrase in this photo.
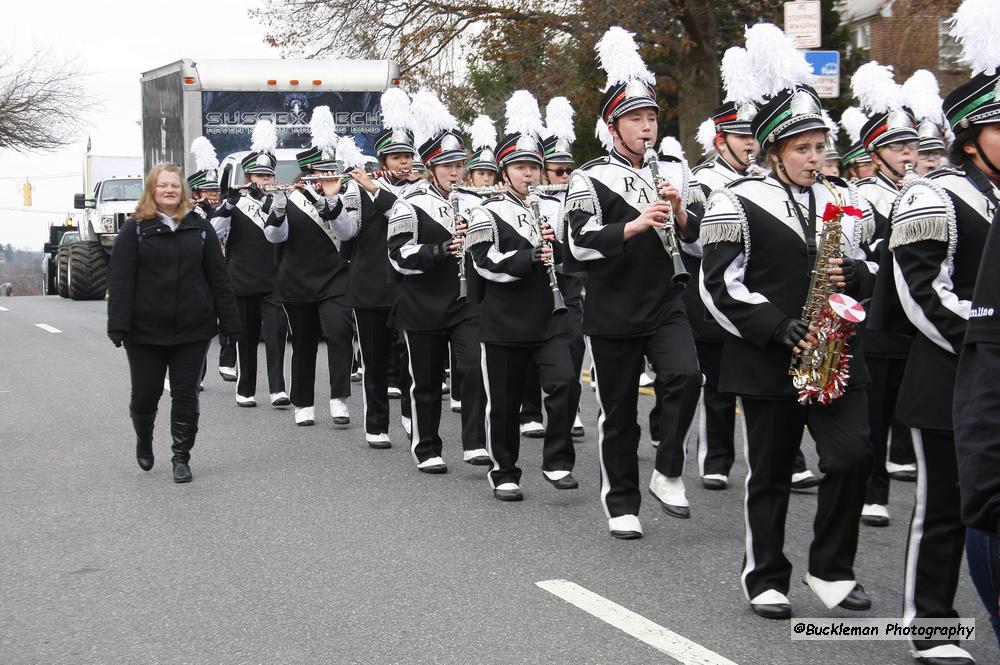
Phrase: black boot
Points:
(143, 425)
(183, 428)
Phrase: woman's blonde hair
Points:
(146, 208)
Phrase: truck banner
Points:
(228, 117)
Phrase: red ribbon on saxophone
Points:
(832, 211)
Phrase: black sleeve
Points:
(384, 200)
(214, 265)
(977, 435)
(121, 277)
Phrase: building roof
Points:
(852, 11)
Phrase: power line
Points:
(41, 177)
(47, 212)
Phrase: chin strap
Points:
(639, 154)
(896, 174)
(743, 165)
(982, 155)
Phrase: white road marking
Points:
(4, 309)
(47, 328)
(666, 641)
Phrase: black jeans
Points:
(148, 365)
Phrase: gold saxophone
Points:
(821, 373)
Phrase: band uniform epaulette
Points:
(597, 161)
(746, 178)
(860, 182)
(702, 167)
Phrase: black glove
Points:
(851, 272)
(536, 255)
(117, 337)
(790, 332)
(255, 191)
(441, 252)
(233, 198)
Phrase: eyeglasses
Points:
(903, 145)
(561, 172)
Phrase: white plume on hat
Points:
(323, 130)
(738, 77)
(559, 119)
(524, 117)
(672, 147)
(430, 116)
(876, 89)
(396, 109)
(775, 61)
(853, 121)
(923, 95)
(706, 136)
(620, 59)
(348, 153)
(483, 133)
(264, 137)
(205, 158)
(603, 134)
(976, 23)
(831, 125)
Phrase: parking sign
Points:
(825, 72)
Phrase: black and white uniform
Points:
(717, 415)
(632, 311)
(885, 349)
(227, 343)
(252, 270)
(428, 312)
(517, 327)
(571, 287)
(372, 292)
(755, 276)
(939, 228)
(311, 285)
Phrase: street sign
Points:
(802, 23)
(825, 72)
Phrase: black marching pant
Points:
(774, 432)
(717, 416)
(227, 351)
(505, 368)
(148, 365)
(259, 313)
(886, 378)
(937, 536)
(380, 354)
(531, 406)
(309, 322)
(428, 353)
(619, 362)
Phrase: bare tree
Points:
(42, 102)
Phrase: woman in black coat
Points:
(168, 295)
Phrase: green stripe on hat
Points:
(769, 127)
(970, 107)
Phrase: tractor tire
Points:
(62, 271)
(88, 271)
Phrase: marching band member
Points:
(615, 214)
(923, 96)
(856, 161)
(749, 227)
(312, 274)
(831, 166)
(513, 252)
(940, 224)
(425, 243)
(736, 149)
(481, 167)
(241, 220)
(370, 289)
(205, 193)
(891, 140)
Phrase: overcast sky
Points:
(115, 42)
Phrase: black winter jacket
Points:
(169, 287)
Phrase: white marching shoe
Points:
(533, 430)
(433, 465)
(577, 431)
(338, 409)
(477, 457)
(872, 514)
(625, 527)
(227, 373)
(378, 441)
(245, 401)
(456, 406)
(407, 425)
(305, 416)
(394, 393)
(671, 495)
(280, 399)
(949, 654)
(646, 379)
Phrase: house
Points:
(907, 34)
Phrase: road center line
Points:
(636, 625)
(47, 328)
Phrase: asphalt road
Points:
(302, 545)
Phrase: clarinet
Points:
(559, 304)
(651, 160)
(463, 285)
